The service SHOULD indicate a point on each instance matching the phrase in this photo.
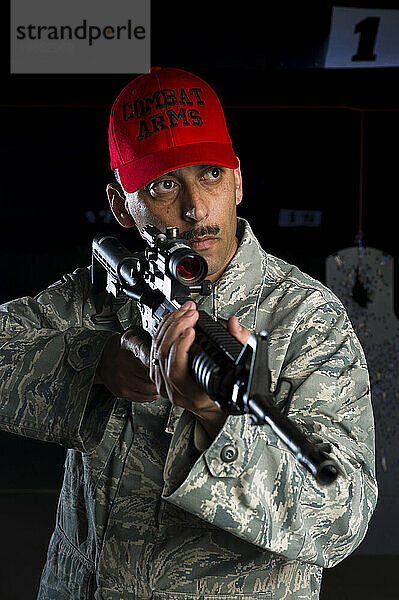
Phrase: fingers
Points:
(177, 362)
(240, 333)
(138, 389)
(168, 336)
(173, 331)
(130, 378)
(122, 368)
(169, 355)
(173, 317)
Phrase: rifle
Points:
(235, 376)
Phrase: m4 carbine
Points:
(236, 377)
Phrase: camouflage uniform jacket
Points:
(143, 513)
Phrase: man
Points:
(164, 497)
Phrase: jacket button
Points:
(228, 453)
(84, 351)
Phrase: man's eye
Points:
(162, 187)
(213, 174)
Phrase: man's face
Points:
(201, 201)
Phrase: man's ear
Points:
(117, 199)
(238, 182)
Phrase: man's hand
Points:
(123, 367)
(169, 365)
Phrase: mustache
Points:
(200, 232)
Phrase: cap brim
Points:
(138, 173)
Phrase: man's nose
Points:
(194, 206)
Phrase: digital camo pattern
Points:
(145, 515)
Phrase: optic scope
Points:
(184, 264)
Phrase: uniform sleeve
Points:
(248, 483)
(48, 361)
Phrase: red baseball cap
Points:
(165, 119)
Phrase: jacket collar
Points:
(239, 289)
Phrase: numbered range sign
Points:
(363, 37)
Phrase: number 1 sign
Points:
(363, 37)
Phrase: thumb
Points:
(240, 333)
(138, 343)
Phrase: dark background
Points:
(295, 126)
